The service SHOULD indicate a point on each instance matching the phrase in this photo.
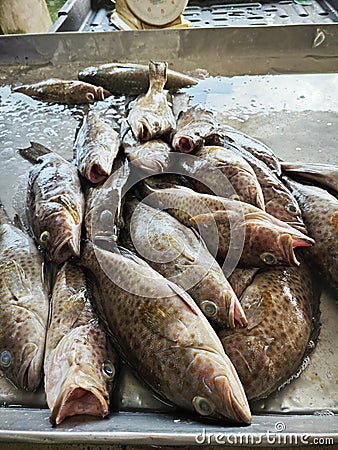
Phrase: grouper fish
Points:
(24, 306)
(163, 335)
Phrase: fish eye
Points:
(44, 237)
(108, 369)
(202, 406)
(90, 97)
(236, 197)
(5, 358)
(209, 308)
(292, 209)
(268, 258)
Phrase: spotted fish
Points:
(80, 364)
(324, 174)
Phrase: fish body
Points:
(324, 174)
(96, 147)
(278, 304)
(176, 252)
(241, 278)
(151, 115)
(80, 363)
(193, 127)
(249, 234)
(23, 308)
(64, 91)
(320, 212)
(164, 336)
(279, 202)
(104, 205)
(55, 203)
(151, 157)
(211, 161)
(124, 78)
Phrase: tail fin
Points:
(34, 152)
(157, 74)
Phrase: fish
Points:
(193, 127)
(72, 92)
(325, 175)
(320, 212)
(216, 170)
(95, 148)
(151, 115)
(81, 365)
(177, 252)
(103, 217)
(163, 335)
(55, 203)
(257, 148)
(279, 305)
(241, 278)
(23, 308)
(130, 79)
(151, 157)
(279, 202)
(231, 230)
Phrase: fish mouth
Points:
(102, 93)
(65, 248)
(184, 144)
(233, 397)
(144, 132)
(96, 174)
(78, 400)
(299, 226)
(289, 242)
(30, 372)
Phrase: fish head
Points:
(285, 207)
(88, 93)
(150, 126)
(95, 165)
(152, 157)
(58, 228)
(187, 142)
(216, 391)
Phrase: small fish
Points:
(80, 363)
(70, 92)
(95, 148)
(104, 205)
(151, 115)
(165, 337)
(55, 203)
(257, 148)
(193, 127)
(124, 78)
(320, 212)
(279, 307)
(241, 278)
(177, 252)
(23, 308)
(279, 202)
(253, 236)
(324, 174)
(215, 169)
(150, 156)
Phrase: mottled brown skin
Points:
(241, 278)
(80, 363)
(320, 212)
(178, 254)
(193, 127)
(55, 203)
(224, 223)
(124, 78)
(24, 307)
(326, 175)
(279, 202)
(151, 115)
(278, 304)
(70, 92)
(95, 148)
(211, 162)
(165, 337)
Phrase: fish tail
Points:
(34, 152)
(158, 73)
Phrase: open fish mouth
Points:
(144, 131)
(30, 373)
(290, 242)
(65, 248)
(96, 173)
(184, 144)
(77, 400)
(233, 399)
(102, 93)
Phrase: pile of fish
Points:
(179, 245)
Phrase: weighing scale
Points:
(146, 14)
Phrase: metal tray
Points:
(276, 83)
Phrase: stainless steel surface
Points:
(297, 115)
